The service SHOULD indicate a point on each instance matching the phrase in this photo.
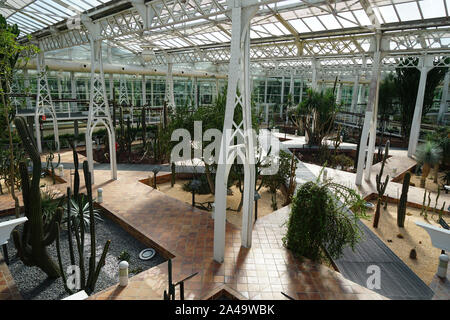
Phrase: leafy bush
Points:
(318, 220)
(343, 161)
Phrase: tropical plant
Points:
(10, 51)
(75, 213)
(428, 154)
(320, 221)
(318, 110)
(280, 178)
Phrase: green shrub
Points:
(318, 221)
(124, 256)
(204, 186)
(342, 160)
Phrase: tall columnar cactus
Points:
(76, 179)
(87, 284)
(401, 210)
(36, 235)
(173, 176)
(381, 186)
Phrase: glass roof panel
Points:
(388, 14)
(330, 22)
(314, 24)
(362, 17)
(299, 26)
(408, 11)
(432, 8)
(32, 15)
(347, 19)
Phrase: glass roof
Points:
(274, 22)
(33, 15)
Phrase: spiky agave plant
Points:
(428, 154)
(75, 213)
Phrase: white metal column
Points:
(444, 100)
(370, 116)
(170, 97)
(27, 86)
(314, 64)
(425, 64)
(123, 94)
(239, 78)
(354, 104)
(44, 102)
(144, 90)
(195, 91)
(339, 93)
(99, 112)
(282, 97)
(300, 98)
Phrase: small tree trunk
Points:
(425, 172)
(436, 173)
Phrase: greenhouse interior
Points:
(224, 150)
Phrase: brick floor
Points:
(186, 234)
(8, 288)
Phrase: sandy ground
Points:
(47, 181)
(425, 266)
(264, 204)
(429, 183)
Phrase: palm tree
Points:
(428, 154)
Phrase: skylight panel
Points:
(81, 4)
(220, 36)
(299, 26)
(347, 19)
(274, 29)
(330, 22)
(254, 35)
(73, 6)
(388, 14)
(362, 17)
(432, 8)
(408, 11)
(314, 24)
(262, 31)
(57, 9)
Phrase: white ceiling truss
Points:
(285, 34)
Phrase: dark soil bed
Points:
(34, 284)
(314, 156)
(122, 157)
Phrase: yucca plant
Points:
(75, 213)
(428, 154)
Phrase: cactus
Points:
(172, 181)
(401, 210)
(381, 186)
(76, 179)
(93, 268)
(37, 234)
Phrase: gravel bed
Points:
(34, 284)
